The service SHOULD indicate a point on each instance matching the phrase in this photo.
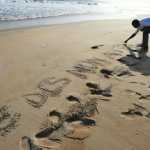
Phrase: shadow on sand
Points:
(134, 63)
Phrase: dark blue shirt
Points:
(145, 22)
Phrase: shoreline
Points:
(56, 20)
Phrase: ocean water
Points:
(29, 9)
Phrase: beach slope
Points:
(73, 86)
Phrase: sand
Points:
(40, 67)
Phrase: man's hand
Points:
(133, 35)
(125, 42)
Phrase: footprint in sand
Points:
(141, 96)
(80, 132)
(36, 100)
(112, 55)
(86, 66)
(95, 61)
(74, 130)
(117, 51)
(117, 71)
(53, 119)
(106, 72)
(77, 74)
(48, 87)
(137, 110)
(74, 98)
(119, 48)
(26, 143)
(146, 97)
(79, 111)
(8, 120)
(121, 71)
(138, 83)
(133, 92)
(96, 89)
(53, 86)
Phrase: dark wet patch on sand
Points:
(97, 46)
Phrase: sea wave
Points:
(29, 9)
(17, 10)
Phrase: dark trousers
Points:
(146, 31)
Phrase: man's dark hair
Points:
(136, 23)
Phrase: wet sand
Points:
(73, 86)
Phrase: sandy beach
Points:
(73, 86)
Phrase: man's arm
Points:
(133, 35)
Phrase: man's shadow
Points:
(134, 63)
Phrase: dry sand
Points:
(40, 67)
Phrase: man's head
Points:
(135, 23)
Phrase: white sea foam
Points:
(27, 9)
